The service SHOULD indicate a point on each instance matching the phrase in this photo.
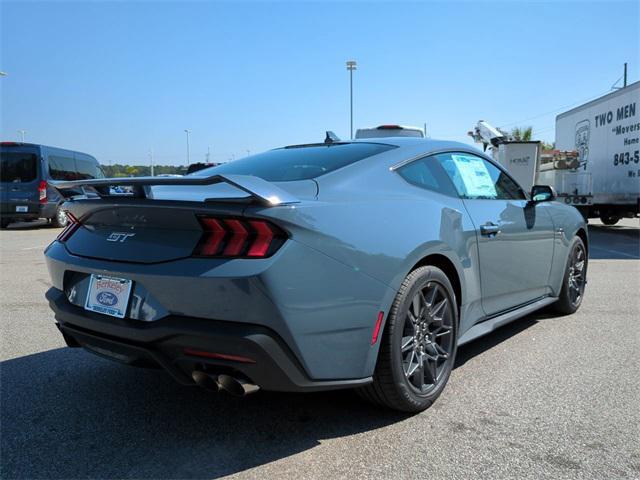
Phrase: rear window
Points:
(18, 167)
(298, 162)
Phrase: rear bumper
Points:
(162, 343)
(44, 210)
(321, 309)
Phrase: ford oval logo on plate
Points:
(108, 295)
(107, 299)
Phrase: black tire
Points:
(574, 280)
(4, 223)
(60, 219)
(609, 219)
(393, 386)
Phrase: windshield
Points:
(18, 167)
(298, 162)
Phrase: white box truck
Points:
(605, 132)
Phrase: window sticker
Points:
(475, 176)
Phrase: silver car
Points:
(361, 264)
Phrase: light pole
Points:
(188, 153)
(151, 160)
(22, 132)
(351, 66)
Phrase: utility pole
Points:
(22, 132)
(351, 66)
(151, 160)
(624, 83)
(425, 129)
(208, 154)
(188, 152)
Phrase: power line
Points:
(543, 129)
(553, 111)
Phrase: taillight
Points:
(236, 237)
(70, 229)
(42, 192)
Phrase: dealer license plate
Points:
(22, 208)
(108, 295)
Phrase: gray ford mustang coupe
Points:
(360, 264)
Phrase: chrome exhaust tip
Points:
(205, 380)
(236, 386)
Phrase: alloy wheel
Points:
(61, 218)
(427, 338)
(576, 277)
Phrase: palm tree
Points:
(522, 134)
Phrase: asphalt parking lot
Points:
(544, 397)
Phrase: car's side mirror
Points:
(542, 193)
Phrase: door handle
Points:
(489, 229)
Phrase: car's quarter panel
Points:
(383, 227)
(514, 263)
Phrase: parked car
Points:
(360, 264)
(384, 131)
(26, 172)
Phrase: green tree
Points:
(119, 170)
(522, 134)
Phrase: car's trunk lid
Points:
(166, 225)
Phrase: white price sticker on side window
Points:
(475, 176)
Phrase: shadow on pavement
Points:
(68, 414)
(615, 242)
(482, 344)
(34, 225)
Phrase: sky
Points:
(118, 79)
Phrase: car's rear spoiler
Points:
(262, 191)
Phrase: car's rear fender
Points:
(384, 238)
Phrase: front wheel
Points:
(575, 279)
(418, 346)
(4, 223)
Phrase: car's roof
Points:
(427, 144)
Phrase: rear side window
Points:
(428, 174)
(18, 167)
(62, 168)
(299, 162)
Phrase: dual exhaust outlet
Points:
(237, 387)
